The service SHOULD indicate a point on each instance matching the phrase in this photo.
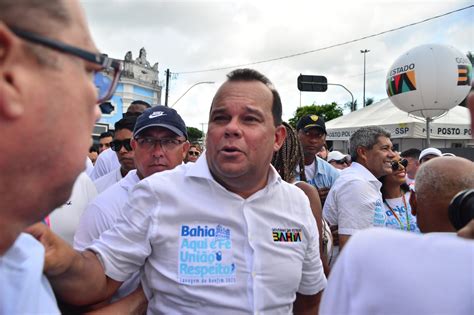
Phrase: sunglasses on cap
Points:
(116, 145)
(397, 164)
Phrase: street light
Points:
(365, 51)
(203, 82)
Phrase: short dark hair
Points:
(126, 123)
(254, 75)
(140, 102)
(94, 148)
(412, 153)
(365, 137)
(106, 134)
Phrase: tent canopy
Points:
(454, 125)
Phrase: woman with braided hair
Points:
(285, 162)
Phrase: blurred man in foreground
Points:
(48, 66)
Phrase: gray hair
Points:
(365, 137)
(38, 16)
(434, 182)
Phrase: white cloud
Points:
(194, 35)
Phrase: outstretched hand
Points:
(59, 255)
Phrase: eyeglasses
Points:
(194, 153)
(116, 145)
(105, 79)
(397, 164)
(166, 144)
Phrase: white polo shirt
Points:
(65, 219)
(108, 180)
(101, 215)
(355, 201)
(106, 162)
(24, 288)
(383, 271)
(207, 250)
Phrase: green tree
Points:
(194, 134)
(327, 111)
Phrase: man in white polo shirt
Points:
(159, 144)
(355, 200)
(224, 234)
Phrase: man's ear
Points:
(413, 203)
(11, 106)
(361, 154)
(186, 146)
(280, 136)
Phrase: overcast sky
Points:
(193, 35)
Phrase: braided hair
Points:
(289, 156)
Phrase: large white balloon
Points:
(429, 80)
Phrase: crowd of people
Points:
(260, 218)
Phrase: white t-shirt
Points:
(106, 162)
(382, 271)
(101, 215)
(108, 180)
(89, 167)
(23, 287)
(204, 249)
(354, 201)
(65, 219)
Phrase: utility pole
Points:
(365, 51)
(167, 86)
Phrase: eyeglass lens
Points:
(116, 145)
(103, 84)
(165, 144)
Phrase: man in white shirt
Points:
(48, 63)
(107, 160)
(65, 220)
(355, 200)
(430, 274)
(159, 144)
(224, 234)
(123, 149)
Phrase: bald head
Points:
(437, 181)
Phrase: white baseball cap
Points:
(430, 151)
(336, 156)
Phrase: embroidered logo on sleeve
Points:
(206, 255)
(287, 235)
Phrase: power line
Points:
(328, 47)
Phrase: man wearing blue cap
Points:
(159, 143)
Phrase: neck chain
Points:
(396, 216)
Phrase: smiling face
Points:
(378, 159)
(242, 136)
(397, 177)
